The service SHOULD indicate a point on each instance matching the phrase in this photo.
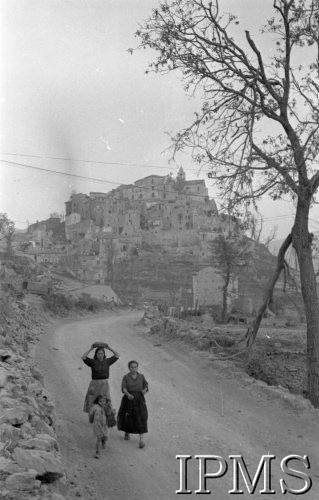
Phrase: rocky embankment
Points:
(30, 462)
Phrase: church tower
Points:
(180, 180)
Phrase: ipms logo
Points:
(291, 466)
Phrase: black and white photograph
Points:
(159, 249)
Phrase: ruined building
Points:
(154, 203)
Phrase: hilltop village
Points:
(151, 240)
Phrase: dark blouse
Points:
(134, 385)
(100, 369)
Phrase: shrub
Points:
(58, 303)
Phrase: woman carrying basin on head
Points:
(100, 369)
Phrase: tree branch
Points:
(252, 331)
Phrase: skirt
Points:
(95, 389)
(132, 415)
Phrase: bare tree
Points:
(270, 238)
(254, 225)
(231, 252)
(257, 129)
(7, 230)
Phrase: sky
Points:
(74, 101)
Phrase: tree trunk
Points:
(225, 293)
(253, 329)
(9, 249)
(301, 241)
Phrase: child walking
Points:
(99, 420)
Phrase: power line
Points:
(84, 177)
(284, 216)
(104, 181)
(100, 162)
(67, 174)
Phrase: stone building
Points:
(208, 288)
(97, 202)
(78, 203)
(83, 229)
(46, 255)
(44, 232)
(153, 203)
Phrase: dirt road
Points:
(195, 408)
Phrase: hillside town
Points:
(152, 240)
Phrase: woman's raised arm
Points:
(84, 356)
(116, 354)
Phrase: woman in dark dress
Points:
(132, 415)
(100, 367)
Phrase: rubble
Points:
(197, 333)
(31, 465)
(151, 314)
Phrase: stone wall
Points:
(155, 275)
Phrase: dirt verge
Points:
(278, 357)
